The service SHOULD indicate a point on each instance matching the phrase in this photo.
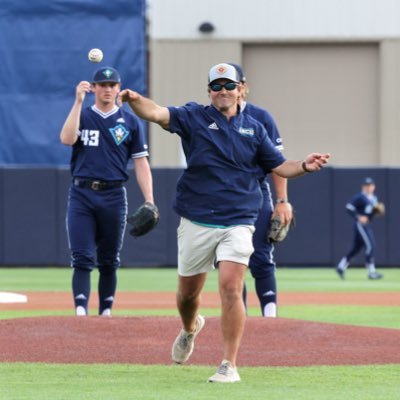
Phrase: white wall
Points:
(276, 19)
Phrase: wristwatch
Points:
(281, 200)
(304, 167)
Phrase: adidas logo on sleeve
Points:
(213, 126)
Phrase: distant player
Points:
(362, 209)
(104, 138)
(262, 263)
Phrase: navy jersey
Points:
(362, 204)
(266, 119)
(219, 185)
(107, 141)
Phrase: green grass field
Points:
(164, 279)
(121, 381)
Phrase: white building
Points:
(328, 70)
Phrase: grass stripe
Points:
(165, 280)
(111, 382)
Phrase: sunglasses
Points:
(217, 87)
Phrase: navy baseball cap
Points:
(106, 74)
(368, 181)
(240, 72)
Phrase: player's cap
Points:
(106, 74)
(368, 181)
(223, 71)
(240, 72)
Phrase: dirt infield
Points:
(147, 340)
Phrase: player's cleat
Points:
(80, 311)
(375, 275)
(184, 343)
(225, 374)
(341, 267)
(106, 312)
(340, 272)
(270, 310)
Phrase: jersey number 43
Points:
(90, 138)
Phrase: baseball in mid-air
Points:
(95, 55)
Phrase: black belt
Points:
(96, 184)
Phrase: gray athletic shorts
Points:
(199, 247)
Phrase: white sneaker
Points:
(80, 311)
(183, 346)
(106, 312)
(225, 374)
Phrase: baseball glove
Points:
(277, 231)
(144, 219)
(379, 209)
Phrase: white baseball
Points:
(95, 55)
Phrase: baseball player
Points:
(262, 265)
(362, 208)
(218, 198)
(104, 138)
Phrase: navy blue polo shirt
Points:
(268, 122)
(219, 185)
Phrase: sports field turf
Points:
(122, 381)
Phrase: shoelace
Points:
(223, 369)
(185, 339)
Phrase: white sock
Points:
(270, 310)
(371, 268)
(343, 264)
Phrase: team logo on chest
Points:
(119, 134)
(246, 131)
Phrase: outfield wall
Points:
(44, 49)
(33, 205)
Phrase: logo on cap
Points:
(221, 69)
(107, 73)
